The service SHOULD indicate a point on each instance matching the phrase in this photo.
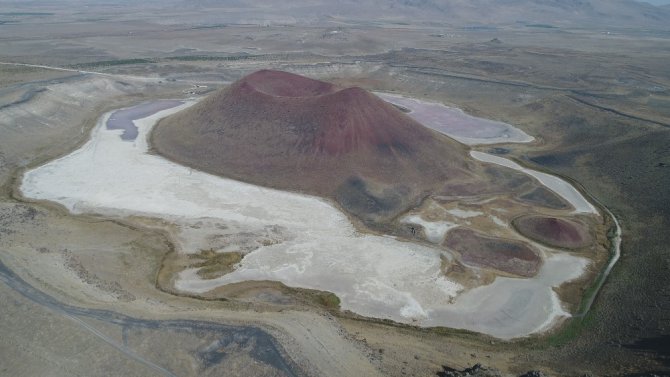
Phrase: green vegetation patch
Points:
(193, 58)
(107, 63)
(327, 300)
(213, 265)
(542, 26)
(583, 319)
(23, 14)
(217, 26)
(571, 331)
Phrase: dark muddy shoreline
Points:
(264, 348)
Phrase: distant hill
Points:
(609, 14)
(560, 13)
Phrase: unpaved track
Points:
(317, 338)
(112, 75)
(127, 351)
(321, 338)
(140, 78)
(318, 342)
(267, 351)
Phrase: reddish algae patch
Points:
(512, 257)
(554, 231)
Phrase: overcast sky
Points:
(656, 2)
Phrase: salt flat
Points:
(455, 123)
(319, 248)
(435, 230)
(555, 184)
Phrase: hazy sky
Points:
(656, 2)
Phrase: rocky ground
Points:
(597, 104)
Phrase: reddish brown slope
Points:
(290, 132)
(554, 231)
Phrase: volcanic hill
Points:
(290, 132)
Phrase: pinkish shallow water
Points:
(123, 119)
(456, 124)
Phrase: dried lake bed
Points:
(457, 124)
(313, 245)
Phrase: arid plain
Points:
(86, 293)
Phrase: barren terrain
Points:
(81, 286)
(304, 242)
